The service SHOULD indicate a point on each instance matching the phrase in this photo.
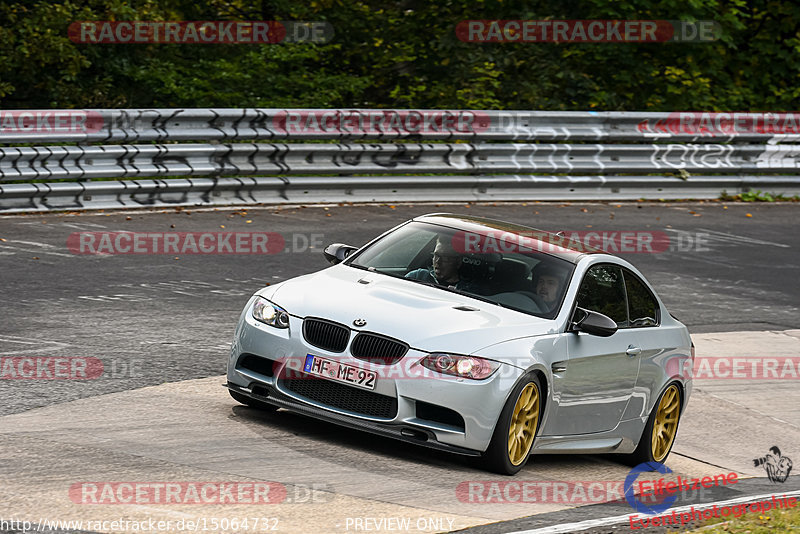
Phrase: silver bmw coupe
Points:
(474, 336)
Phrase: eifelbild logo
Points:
(636, 503)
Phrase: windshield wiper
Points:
(358, 266)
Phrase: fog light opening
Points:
(261, 391)
(413, 433)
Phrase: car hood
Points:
(426, 318)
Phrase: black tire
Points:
(253, 403)
(645, 449)
(498, 456)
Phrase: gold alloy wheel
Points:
(524, 420)
(666, 424)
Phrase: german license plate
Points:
(340, 372)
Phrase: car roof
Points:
(553, 244)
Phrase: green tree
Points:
(403, 54)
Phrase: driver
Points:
(445, 269)
(548, 281)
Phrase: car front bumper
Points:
(279, 352)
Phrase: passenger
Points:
(446, 263)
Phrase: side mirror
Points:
(337, 252)
(593, 323)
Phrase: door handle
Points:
(633, 351)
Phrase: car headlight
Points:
(460, 366)
(269, 313)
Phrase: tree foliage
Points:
(403, 54)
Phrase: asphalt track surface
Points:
(158, 319)
(172, 317)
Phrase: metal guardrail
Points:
(229, 191)
(161, 125)
(133, 161)
(333, 155)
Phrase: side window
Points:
(603, 291)
(643, 307)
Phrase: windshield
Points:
(508, 275)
